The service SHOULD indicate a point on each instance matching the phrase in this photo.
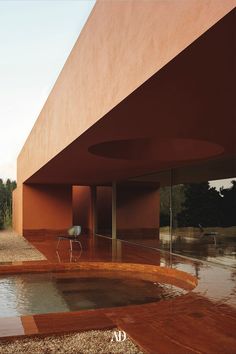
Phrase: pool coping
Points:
(76, 321)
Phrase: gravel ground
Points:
(15, 248)
(91, 342)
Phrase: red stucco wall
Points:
(82, 205)
(46, 207)
(138, 211)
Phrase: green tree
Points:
(6, 190)
(201, 206)
(2, 203)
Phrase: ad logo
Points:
(118, 336)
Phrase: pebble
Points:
(90, 342)
(14, 248)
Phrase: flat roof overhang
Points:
(183, 114)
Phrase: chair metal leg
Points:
(59, 240)
(58, 256)
(80, 245)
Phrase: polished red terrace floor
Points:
(202, 321)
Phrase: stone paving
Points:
(14, 248)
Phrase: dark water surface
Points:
(24, 294)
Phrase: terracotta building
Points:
(144, 101)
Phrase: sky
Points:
(36, 38)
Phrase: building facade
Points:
(144, 103)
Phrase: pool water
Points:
(25, 294)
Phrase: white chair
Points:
(73, 236)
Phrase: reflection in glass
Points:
(193, 212)
(204, 224)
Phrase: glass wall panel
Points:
(165, 226)
(104, 210)
(190, 211)
(204, 223)
(204, 212)
(143, 210)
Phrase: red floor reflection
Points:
(202, 321)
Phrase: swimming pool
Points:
(34, 293)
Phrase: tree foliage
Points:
(6, 202)
(198, 203)
(201, 206)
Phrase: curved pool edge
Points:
(142, 271)
(78, 321)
